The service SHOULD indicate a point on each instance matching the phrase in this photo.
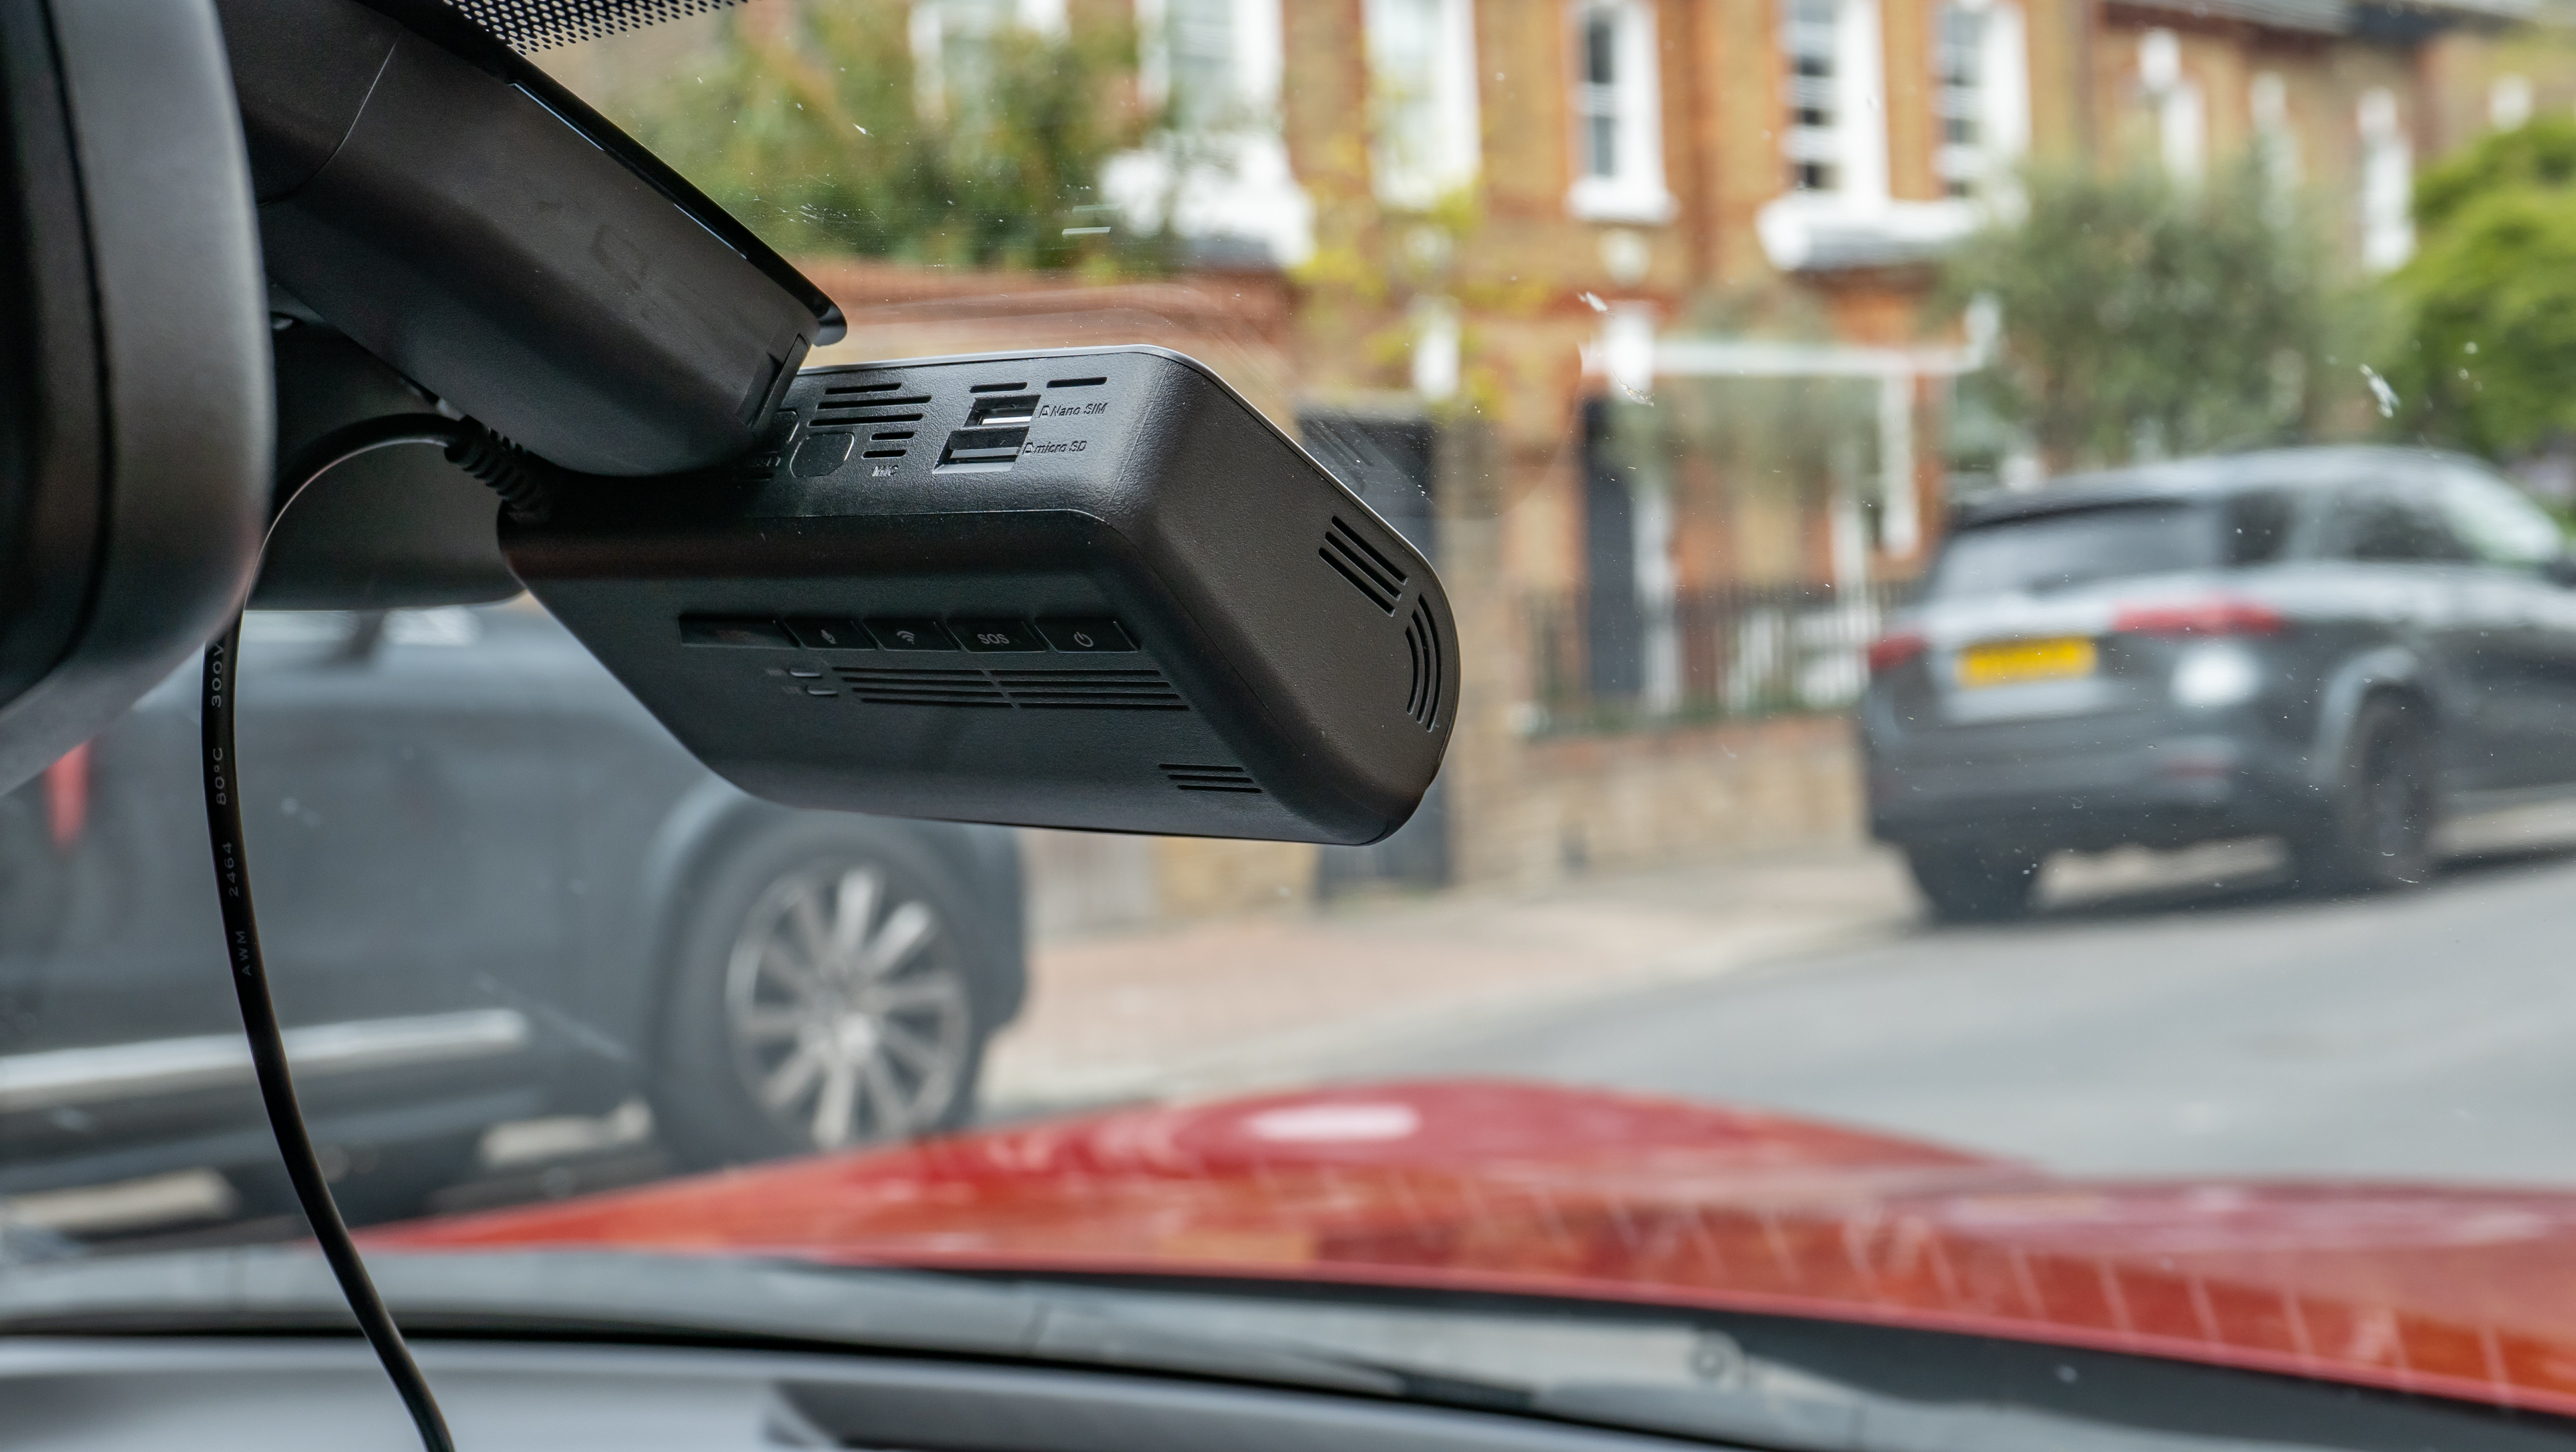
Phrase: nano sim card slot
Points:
(1019, 408)
(982, 448)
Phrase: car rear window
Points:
(2258, 527)
(2039, 553)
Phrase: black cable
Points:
(500, 464)
(268, 1052)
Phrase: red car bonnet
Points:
(1566, 1193)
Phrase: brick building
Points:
(1453, 243)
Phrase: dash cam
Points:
(1090, 589)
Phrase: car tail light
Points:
(1890, 651)
(2216, 616)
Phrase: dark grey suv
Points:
(2338, 646)
(500, 891)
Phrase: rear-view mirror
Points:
(135, 412)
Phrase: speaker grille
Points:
(1123, 690)
(1422, 642)
(1359, 562)
(1189, 778)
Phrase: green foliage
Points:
(817, 137)
(2486, 357)
(2141, 318)
(2539, 154)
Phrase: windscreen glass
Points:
(1822, 913)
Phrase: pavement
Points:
(1254, 1001)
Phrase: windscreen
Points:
(2195, 988)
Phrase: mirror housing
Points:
(134, 390)
(462, 217)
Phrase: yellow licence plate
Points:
(2008, 662)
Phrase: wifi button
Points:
(911, 634)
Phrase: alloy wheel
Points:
(847, 1007)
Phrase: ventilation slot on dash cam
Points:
(1211, 778)
(1127, 690)
(869, 403)
(1422, 642)
(1361, 564)
(885, 687)
(1144, 690)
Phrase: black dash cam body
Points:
(1089, 589)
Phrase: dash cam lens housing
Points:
(1088, 589)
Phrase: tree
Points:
(818, 133)
(2485, 356)
(2141, 318)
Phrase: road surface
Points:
(2430, 1033)
(2185, 1015)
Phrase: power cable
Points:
(523, 483)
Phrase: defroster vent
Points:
(1361, 564)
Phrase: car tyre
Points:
(1967, 884)
(2378, 832)
(832, 985)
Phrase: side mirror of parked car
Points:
(134, 368)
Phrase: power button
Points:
(1081, 636)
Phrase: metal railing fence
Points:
(1716, 655)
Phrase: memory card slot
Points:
(982, 448)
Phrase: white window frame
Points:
(2509, 101)
(1632, 103)
(1854, 142)
(1996, 101)
(2267, 99)
(2387, 182)
(932, 24)
(2182, 121)
(1231, 176)
(1254, 59)
(1415, 172)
